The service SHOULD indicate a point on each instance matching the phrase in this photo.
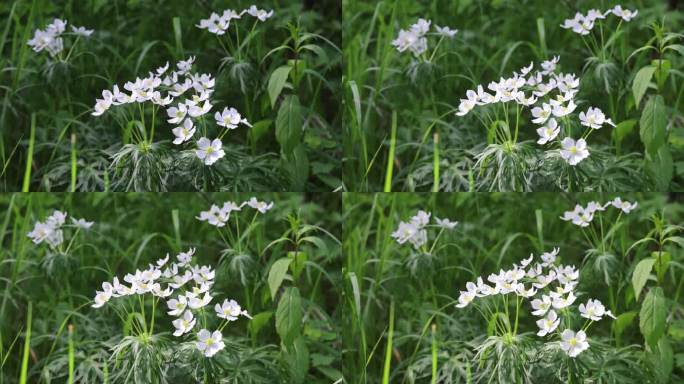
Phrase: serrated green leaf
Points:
(652, 317)
(276, 83)
(652, 124)
(640, 275)
(276, 275)
(640, 83)
(661, 168)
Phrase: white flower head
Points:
(573, 343)
(82, 223)
(184, 132)
(82, 31)
(625, 14)
(209, 151)
(446, 223)
(260, 206)
(548, 132)
(593, 310)
(230, 310)
(625, 206)
(210, 343)
(446, 31)
(574, 151)
(260, 14)
(230, 118)
(548, 324)
(184, 324)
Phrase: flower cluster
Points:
(549, 287)
(219, 216)
(414, 38)
(190, 285)
(583, 24)
(191, 93)
(582, 216)
(550, 97)
(50, 231)
(50, 39)
(414, 231)
(219, 24)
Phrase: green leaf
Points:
(661, 168)
(277, 274)
(297, 358)
(298, 263)
(288, 319)
(623, 321)
(652, 124)
(676, 47)
(289, 124)
(623, 129)
(652, 317)
(663, 360)
(661, 261)
(258, 321)
(296, 165)
(640, 83)
(640, 275)
(259, 129)
(276, 83)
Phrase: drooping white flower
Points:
(184, 324)
(260, 14)
(82, 31)
(184, 132)
(625, 206)
(625, 14)
(210, 343)
(209, 151)
(446, 31)
(573, 343)
(548, 324)
(574, 151)
(548, 132)
(446, 223)
(260, 206)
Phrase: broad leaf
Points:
(661, 168)
(289, 124)
(652, 124)
(652, 317)
(276, 83)
(640, 275)
(640, 83)
(288, 319)
(277, 274)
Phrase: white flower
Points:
(594, 118)
(404, 232)
(421, 26)
(549, 258)
(162, 262)
(574, 152)
(465, 106)
(560, 302)
(210, 343)
(593, 310)
(541, 114)
(548, 324)
(548, 132)
(578, 216)
(465, 298)
(579, 24)
(177, 114)
(230, 118)
(185, 65)
(184, 324)
(230, 310)
(526, 293)
(101, 297)
(541, 306)
(184, 133)
(445, 31)
(260, 14)
(421, 219)
(101, 106)
(594, 14)
(82, 223)
(82, 31)
(625, 206)
(525, 70)
(41, 232)
(185, 257)
(177, 306)
(446, 223)
(625, 14)
(197, 110)
(549, 66)
(209, 151)
(260, 206)
(196, 302)
(560, 110)
(573, 343)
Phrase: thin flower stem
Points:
(152, 129)
(435, 50)
(154, 305)
(237, 226)
(435, 242)
(237, 36)
(78, 229)
(517, 311)
(517, 120)
(72, 48)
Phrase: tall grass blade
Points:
(390, 157)
(388, 352)
(29, 155)
(27, 346)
